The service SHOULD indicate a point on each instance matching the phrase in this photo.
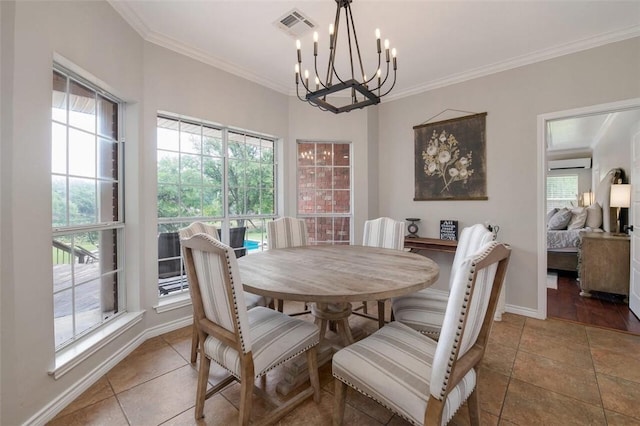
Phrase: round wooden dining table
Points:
(332, 276)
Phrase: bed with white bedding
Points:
(564, 226)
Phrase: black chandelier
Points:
(362, 94)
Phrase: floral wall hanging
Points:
(450, 159)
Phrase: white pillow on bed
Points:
(594, 216)
(578, 218)
(560, 220)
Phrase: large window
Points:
(324, 191)
(87, 222)
(562, 191)
(216, 175)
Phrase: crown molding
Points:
(573, 47)
(539, 56)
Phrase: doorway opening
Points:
(602, 135)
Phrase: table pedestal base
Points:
(296, 371)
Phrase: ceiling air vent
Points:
(295, 23)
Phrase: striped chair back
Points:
(216, 289)
(198, 228)
(472, 239)
(470, 310)
(287, 232)
(384, 232)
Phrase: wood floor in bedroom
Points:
(608, 311)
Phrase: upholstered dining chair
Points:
(251, 300)
(418, 378)
(383, 232)
(287, 232)
(247, 343)
(424, 310)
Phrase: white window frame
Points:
(82, 344)
(226, 220)
(313, 216)
(568, 201)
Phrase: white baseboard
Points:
(49, 411)
(525, 312)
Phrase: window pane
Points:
(82, 107)
(82, 201)
(324, 179)
(324, 188)
(82, 153)
(168, 137)
(212, 202)
(341, 178)
(266, 175)
(190, 138)
(212, 141)
(59, 201)
(342, 201)
(190, 169)
(266, 153)
(267, 205)
(168, 201)
(212, 171)
(168, 163)
(63, 316)
(107, 118)
(237, 173)
(85, 191)
(562, 191)
(341, 154)
(108, 202)
(190, 201)
(236, 201)
(59, 98)
(306, 201)
(324, 155)
(107, 159)
(58, 148)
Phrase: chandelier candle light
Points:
(362, 94)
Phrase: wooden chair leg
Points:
(339, 401)
(364, 308)
(314, 378)
(194, 343)
(473, 404)
(246, 397)
(280, 305)
(201, 392)
(380, 313)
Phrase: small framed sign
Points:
(449, 230)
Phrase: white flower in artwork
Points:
(442, 159)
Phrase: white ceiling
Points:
(438, 42)
(584, 133)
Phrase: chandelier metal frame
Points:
(318, 97)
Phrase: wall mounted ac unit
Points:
(570, 163)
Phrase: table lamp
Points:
(620, 198)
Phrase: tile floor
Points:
(535, 372)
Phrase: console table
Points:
(435, 244)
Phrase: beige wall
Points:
(513, 99)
